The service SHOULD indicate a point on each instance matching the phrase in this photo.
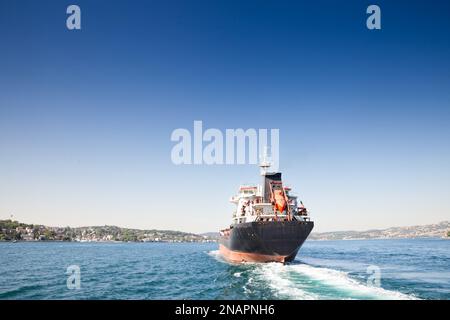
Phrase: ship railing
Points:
(271, 216)
(282, 217)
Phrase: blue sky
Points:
(86, 116)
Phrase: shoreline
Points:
(213, 241)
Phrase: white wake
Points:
(302, 281)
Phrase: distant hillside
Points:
(438, 230)
(14, 230)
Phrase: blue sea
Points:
(357, 269)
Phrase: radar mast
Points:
(265, 161)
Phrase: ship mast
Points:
(264, 165)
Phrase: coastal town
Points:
(15, 231)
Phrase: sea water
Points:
(405, 269)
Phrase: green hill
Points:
(13, 230)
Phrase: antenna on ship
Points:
(264, 165)
(265, 161)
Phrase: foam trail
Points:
(349, 288)
(216, 255)
(274, 274)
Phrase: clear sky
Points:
(86, 116)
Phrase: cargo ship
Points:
(269, 224)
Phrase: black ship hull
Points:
(265, 241)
